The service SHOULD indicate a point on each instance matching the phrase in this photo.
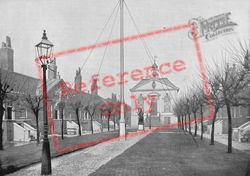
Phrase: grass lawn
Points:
(173, 153)
(14, 158)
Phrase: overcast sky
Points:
(76, 23)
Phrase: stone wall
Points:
(58, 124)
(236, 122)
(8, 132)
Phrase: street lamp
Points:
(44, 50)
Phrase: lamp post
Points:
(44, 50)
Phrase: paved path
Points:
(161, 153)
(173, 153)
(83, 162)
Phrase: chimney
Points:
(94, 87)
(7, 55)
(3, 45)
(78, 80)
(52, 70)
(8, 42)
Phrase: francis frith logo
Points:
(212, 27)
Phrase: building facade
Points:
(19, 123)
(155, 97)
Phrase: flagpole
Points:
(122, 119)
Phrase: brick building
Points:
(19, 121)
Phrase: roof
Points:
(167, 85)
(20, 83)
(85, 99)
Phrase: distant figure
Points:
(167, 103)
(141, 116)
(140, 101)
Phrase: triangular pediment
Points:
(161, 84)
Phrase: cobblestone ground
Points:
(173, 153)
(83, 162)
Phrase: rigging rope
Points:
(150, 56)
(99, 36)
(106, 47)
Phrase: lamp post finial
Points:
(44, 35)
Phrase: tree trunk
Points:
(119, 116)
(195, 125)
(182, 122)
(101, 123)
(212, 132)
(185, 122)
(78, 122)
(108, 121)
(91, 125)
(114, 122)
(37, 128)
(189, 124)
(201, 112)
(1, 125)
(179, 121)
(229, 146)
(61, 114)
(150, 121)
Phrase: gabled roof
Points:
(19, 83)
(166, 85)
(85, 99)
(50, 85)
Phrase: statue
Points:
(140, 101)
(167, 103)
(141, 116)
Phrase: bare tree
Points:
(8, 93)
(180, 112)
(216, 98)
(91, 109)
(108, 108)
(184, 106)
(76, 106)
(231, 82)
(76, 102)
(194, 103)
(200, 100)
(177, 112)
(187, 106)
(34, 103)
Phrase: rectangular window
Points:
(23, 113)
(56, 114)
(9, 113)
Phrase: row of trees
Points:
(88, 105)
(226, 85)
(12, 92)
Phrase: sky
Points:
(77, 23)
